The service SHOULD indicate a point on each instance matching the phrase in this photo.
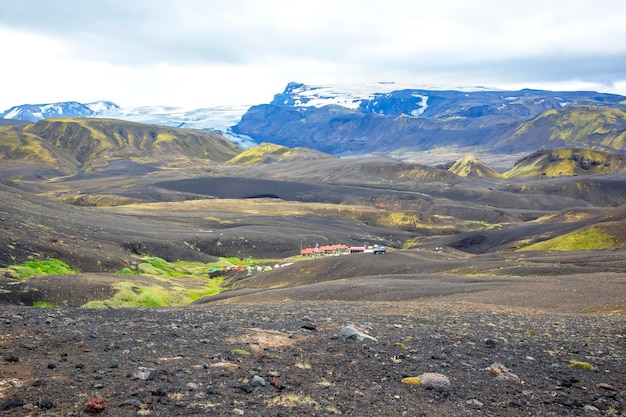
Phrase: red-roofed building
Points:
(325, 250)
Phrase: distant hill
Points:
(84, 144)
(471, 166)
(568, 161)
(267, 153)
(584, 126)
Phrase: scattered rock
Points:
(10, 403)
(491, 343)
(257, 381)
(605, 386)
(11, 358)
(438, 382)
(277, 383)
(133, 403)
(502, 373)
(590, 409)
(474, 402)
(145, 374)
(191, 386)
(350, 332)
(45, 404)
(95, 405)
(211, 390)
(429, 380)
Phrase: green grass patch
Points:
(581, 365)
(40, 268)
(130, 294)
(588, 239)
(158, 267)
(180, 285)
(44, 304)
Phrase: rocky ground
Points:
(286, 359)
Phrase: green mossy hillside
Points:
(576, 126)
(95, 141)
(603, 236)
(568, 161)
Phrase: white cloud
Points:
(197, 53)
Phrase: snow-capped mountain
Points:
(34, 112)
(220, 118)
(392, 99)
(392, 118)
(350, 96)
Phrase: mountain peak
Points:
(102, 106)
(35, 112)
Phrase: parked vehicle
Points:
(379, 250)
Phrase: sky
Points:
(205, 53)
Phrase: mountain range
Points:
(390, 119)
(403, 120)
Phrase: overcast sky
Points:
(195, 53)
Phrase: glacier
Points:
(220, 118)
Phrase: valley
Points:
(177, 256)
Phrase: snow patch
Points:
(423, 105)
(13, 113)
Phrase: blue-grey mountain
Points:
(395, 120)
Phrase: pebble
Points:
(502, 373)
(491, 343)
(257, 381)
(475, 402)
(131, 402)
(590, 409)
(145, 374)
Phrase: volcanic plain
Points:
(511, 292)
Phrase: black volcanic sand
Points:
(504, 342)
(207, 360)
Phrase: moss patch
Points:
(130, 294)
(40, 268)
